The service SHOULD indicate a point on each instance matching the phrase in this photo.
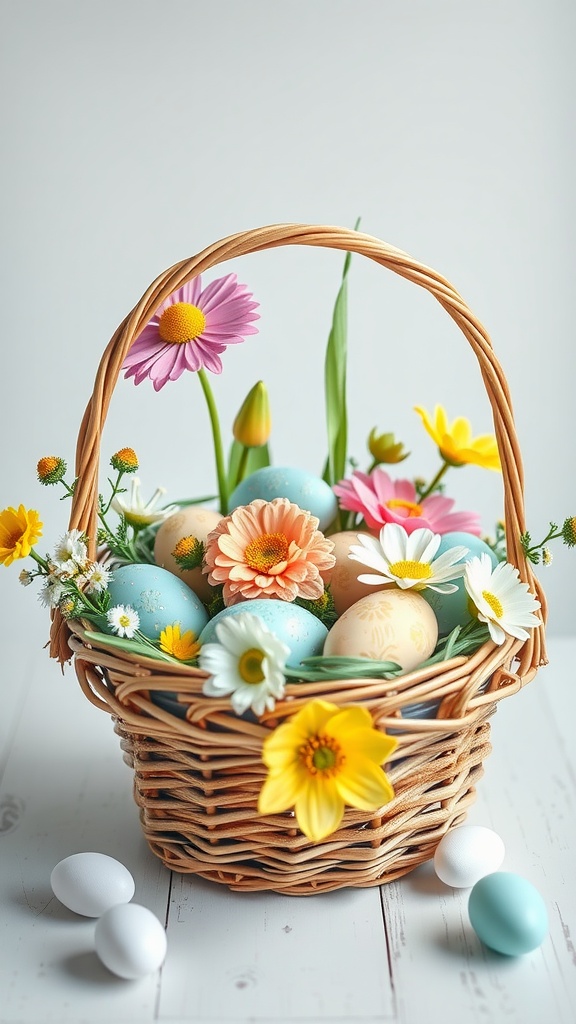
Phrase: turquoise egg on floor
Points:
(304, 489)
(508, 913)
(298, 628)
(451, 610)
(159, 597)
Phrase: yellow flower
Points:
(321, 759)
(125, 460)
(51, 469)
(455, 441)
(19, 530)
(182, 646)
(252, 424)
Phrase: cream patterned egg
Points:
(390, 625)
(192, 521)
(344, 585)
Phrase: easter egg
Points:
(298, 628)
(159, 597)
(508, 913)
(130, 941)
(452, 610)
(91, 883)
(344, 586)
(309, 492)
(192, 521)
(390, 625)
(466, 854)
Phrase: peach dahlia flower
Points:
(268, 549)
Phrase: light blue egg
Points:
(452, 609)
(159, 597)
(298, 628)
(310, 492)
(508, 913)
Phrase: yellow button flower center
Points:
(410, 507)
(250, 665)
(322, 754)
(494, 603)
(181, 322)
(266, 551)
(410, 570)
(124, 620)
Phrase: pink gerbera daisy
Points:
(381, 500)
(268, 549)
(190, 330)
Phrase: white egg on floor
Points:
(130, 941)
(466, 854)
(89, 883)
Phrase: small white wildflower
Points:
(138, 513)
(97, 578)
(71, 553)
(123, 619)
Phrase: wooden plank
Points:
(268, 957)
(66, 768)
(440, 969)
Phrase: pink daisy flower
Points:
(381, 500)
(268, 549)
(190, 330)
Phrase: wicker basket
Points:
(198, 772)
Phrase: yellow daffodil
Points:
(183, 646)
(19, 530)
(321, 759)
(252, 424)
(455, 442)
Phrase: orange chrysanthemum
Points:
(268, 549)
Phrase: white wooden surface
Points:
(404, 952)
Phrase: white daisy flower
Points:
(247, 662)
(407, 559)
(123, 619)
(97, 578)
(71, 553)
(502, 601)
(138, 513)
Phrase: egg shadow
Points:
(86, 966)
(424, 880)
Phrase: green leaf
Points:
(335, 383)
(256, 458)
(132, 647)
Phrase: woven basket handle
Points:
(85, 501)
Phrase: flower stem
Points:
(217, 437)
(242, 465)
(434, 483)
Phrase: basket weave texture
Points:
(198, 772)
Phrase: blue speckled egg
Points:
(507, 913)
(309, 492)
(298, 628)
(159, 597)
(451, 610)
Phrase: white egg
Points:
(90, 883)
(130, 941)
(466, 854)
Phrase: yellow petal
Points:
(280, 791)
(370, 743)
(461, 432)
(319, 808)
(364, 785)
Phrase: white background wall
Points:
(136, 132)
